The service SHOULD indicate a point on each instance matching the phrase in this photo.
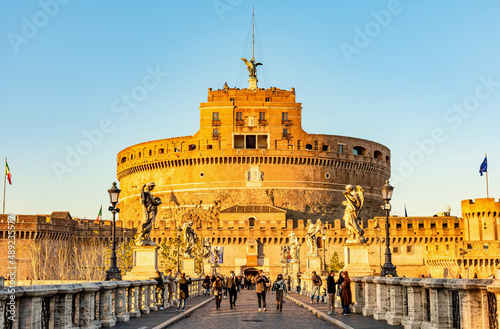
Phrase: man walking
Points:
(261, 287)
(171, 285)
(183, 292)
(232, 288)
(316, 284)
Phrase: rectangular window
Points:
(433, 225)
(239, 141)
(150, 152)
(325, 148)
(469, 246)
(250, 142)
(420, 225)
(268, 99)
(231, 99)
(284, 116)
(485, 246)
(262, 115)
(410, 225)
(239, 115)
(209, 146)
(285, 132)
(445, 225)
(457, 225)
(395, 250)
(409, 249)
(215, 133)
(298, 145)
(160, 151)
(341, 148)
(215, 116)
(398, 225)
(315, 145)
(262, 141)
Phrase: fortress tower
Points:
(251, 150)
(480, 219)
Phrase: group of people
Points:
(340, 288)
(224, 286)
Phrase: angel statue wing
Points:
(246, 62)
(184, 230)
(257, 64)
(361, 196)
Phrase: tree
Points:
(335, 265)
(168, 251)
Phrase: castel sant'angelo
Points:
(250, 179)
(251, 176)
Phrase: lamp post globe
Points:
(388, 269)
(114, 272)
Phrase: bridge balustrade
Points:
(429, 303)
(84, 305)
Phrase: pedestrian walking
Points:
(289, 283)
(316, 285)
(206, 286)
(346, 297)
(261, 287)
(160, 290)
(184, 283)
(330, 290)
(279, 286)
(298, 283)
(224, 288)
(171, 285)
(217, 291)
(232, 289)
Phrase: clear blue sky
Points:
(401, 73)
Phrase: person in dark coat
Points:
(346, 297)
(160, 290)
(183, 291)
(232, 288)
(206, 286)
(330, 290)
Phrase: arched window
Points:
(251, 222)
(378, 155)
(358, 150)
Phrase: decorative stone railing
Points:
(429, 303)
(83, 305)
(306, 285)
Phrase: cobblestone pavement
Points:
(246, 315)
(357, 321)
(153, 319)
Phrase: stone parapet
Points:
(428, 303)
(88, 305)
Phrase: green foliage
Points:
(125, 255)
(335, 265)
(168, 251)
(198, 254)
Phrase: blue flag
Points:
(484, 167)
(406, 214)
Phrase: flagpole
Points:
(487, 192)
(4, 183)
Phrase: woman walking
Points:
(217, 292)
(346, 297)
(279, 286)
(183, 291)
(206, 286)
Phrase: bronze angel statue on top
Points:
(252, 67)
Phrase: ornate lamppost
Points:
(323, 232)
(179, 232)
(388, 269)
(114, 272)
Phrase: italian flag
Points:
(7, 173)
(99, 215)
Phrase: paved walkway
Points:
(356, 321)
(297, 313)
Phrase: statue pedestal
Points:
(314, 264)
(207, 268)
(145, 263)
(252, 83)
(294, 268)
(188, 266)
(356, 259)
